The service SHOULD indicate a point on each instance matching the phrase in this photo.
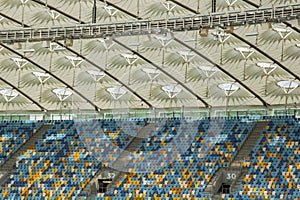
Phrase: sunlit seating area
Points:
(274, 163)
(57, 166)
(106, 139)
(14, 134)
(201, 147)
(177, 160)
(149, 99)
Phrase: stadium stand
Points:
(149, 99)
(274, 163)
(14, 134)
(60, 165)
(187, 176)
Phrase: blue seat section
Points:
(106, 139)
(178, 159)
(14, 134)
(61, 163)
(182, 157)
(274, 163)
(165, 131)
(57, 166)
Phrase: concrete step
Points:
(252, 139)
(146, 130)
(134, 144)
(239, 181)
(8, 167)
(120, 164)
(87, 189)
(246, 148)
(5, 176)
(116, 179)
(217, 175)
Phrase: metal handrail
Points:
(148, 26)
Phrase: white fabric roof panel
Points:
(174, 69)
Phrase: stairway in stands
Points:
(120, 163)
(237, 164)
(8, 167)
(119, 166)
(144, 132)
(250, 141)
(248, 145)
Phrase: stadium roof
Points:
(87, 55)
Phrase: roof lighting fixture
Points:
(208, 70)
(267, 68)
(171, 90)
(187, 56)
(75, 61)
(221, 36)
(53, 14)
(152, 73)
(164, 40)
(252, 34)
(116, 92)
(107, 43)
(8, 95)
(230, 2)
(62, 93)
(283, 32)
(229, 88)
(42, 77)
(20, 62)
(110, 10)
(97, 75)
(130, 58)
(24, 1)
(54, 47)
(287, 86)
(246, 52)
(28, 50)
(169, 6)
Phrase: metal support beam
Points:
(53, 75)
(252, 3)
(164, 71)
(120, 9)
(213, 6)
(94, 12)
(292, 27)
(12, 19)
(14, 87)
(107, 73)
(142, 27)
(184, 6)
(23, 93)
(224, 71)
(59, 11)
(267, 55)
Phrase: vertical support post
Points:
(213, 6)
(94, 11)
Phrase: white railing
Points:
(141, 27)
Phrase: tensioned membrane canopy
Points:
(250, 65)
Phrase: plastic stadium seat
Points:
(59, 164)
(224, 136)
